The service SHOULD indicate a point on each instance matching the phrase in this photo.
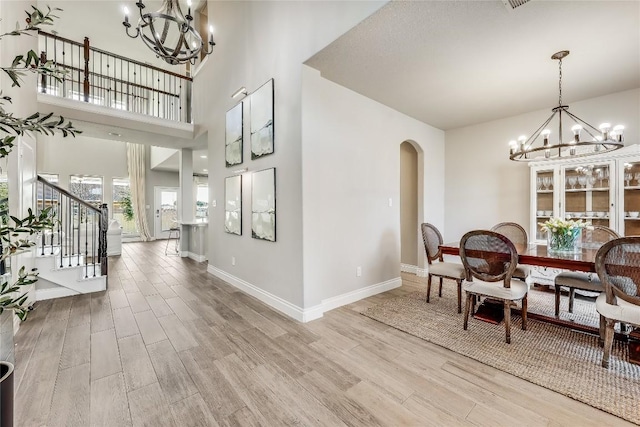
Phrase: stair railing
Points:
(103, 78)
(80, 230)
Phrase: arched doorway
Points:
(409, 207)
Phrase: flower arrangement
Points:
(563, 235)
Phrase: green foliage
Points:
(14, 236)
(127, 207)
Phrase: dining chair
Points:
(618, 267)
(449, 270)
(518, 236)
(591, 239)
(491, 259)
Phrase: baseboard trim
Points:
(268, 298)
(353, 296)
(195, 257)
(413, 269)
(304, 314)
(51, 293)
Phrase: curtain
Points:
(136, 167)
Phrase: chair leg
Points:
(428, 287)
(440, 289)
(473, 303)
(603, 324)
(572, 295)
(557, 300)
(507, 320)
(467, 306)
(524, 313)
(608, 342)
(459, 282)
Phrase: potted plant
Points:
(15, 234)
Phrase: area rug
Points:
(553, 357)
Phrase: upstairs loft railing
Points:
(80, 231)
(107, 79)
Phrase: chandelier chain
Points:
(560, 82)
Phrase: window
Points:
(87, 188)
(202, 197)
(51, 177)
(122, 208)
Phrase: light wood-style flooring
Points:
(170, 345)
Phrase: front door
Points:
(166, 211)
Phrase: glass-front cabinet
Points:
(630, 210)
(603, 190)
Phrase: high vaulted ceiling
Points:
(457, 63)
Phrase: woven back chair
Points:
(592, 238)
(618, 266)
(512, 231)
(432, 241)
(491, 258)
(518, 236)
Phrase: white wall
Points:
(351, 168)
(483, 187)
(259, 41)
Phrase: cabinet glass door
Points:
(631, 199)
(588, 193)
(545, 182)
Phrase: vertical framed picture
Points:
(263, 205)
(233, 136)
(261, 105)
(233, 205)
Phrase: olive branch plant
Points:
(14, 236)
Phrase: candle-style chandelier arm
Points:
(587, 127)
(529, 142)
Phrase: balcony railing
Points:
(107, 79)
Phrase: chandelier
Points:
(169, 33)
(586, 141)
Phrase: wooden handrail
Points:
(68, 194)
(104, 52)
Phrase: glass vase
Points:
(564, 241)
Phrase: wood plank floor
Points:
(169, 344)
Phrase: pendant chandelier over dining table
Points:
(169, 33)
(587, 140)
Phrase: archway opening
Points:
(409, 206)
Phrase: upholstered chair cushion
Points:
(447, 269)
(584, 281)
(623, 312)
(516, 292)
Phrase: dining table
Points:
(583, 259)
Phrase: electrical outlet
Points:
(390, 202)
(233, 260)
(358, 271)
(214, 203)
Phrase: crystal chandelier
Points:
(586, 141)
(169, 33)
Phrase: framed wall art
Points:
(263, 205)
(233, 136)
(233, 205)
(261, 106)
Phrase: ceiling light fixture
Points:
(169, 33)
(241, 91)
(601, 140)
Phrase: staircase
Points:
(72, 257)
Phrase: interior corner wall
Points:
(483, 187)
(351, 173)
(258, 41)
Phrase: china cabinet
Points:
(601, 189)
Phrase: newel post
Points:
(86, 69)
(43, 77)
(102, 240)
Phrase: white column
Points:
(187, 203)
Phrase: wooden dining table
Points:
(533, 254)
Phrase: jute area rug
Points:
(553, 357)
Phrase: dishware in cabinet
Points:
(630, 197)
(588, 193)
(544, 196)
